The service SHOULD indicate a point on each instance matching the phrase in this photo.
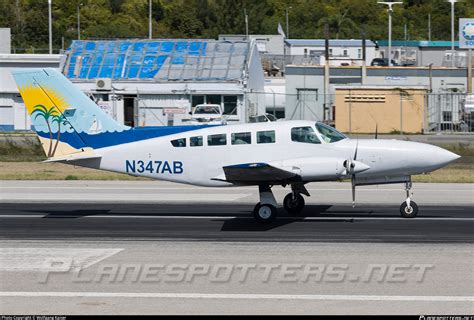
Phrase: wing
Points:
(255, 173)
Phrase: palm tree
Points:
(59, 119)
(339, 23)
(42, 111)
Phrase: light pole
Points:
(287, 24)
(50, 28)
(452, 32)
(390, 11)
(149, 21)
(79, 21)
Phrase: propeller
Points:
(352, 166)
(376, 132)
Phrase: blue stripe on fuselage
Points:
(107, 139)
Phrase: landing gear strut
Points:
(408, 208)
(265, 211)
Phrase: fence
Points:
(356, 111)
(402, 111)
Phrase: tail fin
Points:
(63, 116)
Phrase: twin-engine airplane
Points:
(74, 130)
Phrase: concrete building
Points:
(150, 82)
(424, 53)
(387, 109)
(341, 52)
(13, 115)
(266, 43)
(308, 96)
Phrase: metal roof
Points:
(158, 59)
(417, 43)
(332, 42)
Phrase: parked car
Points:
(207, 114)
(382, 62)
(267, 117)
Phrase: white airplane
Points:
(286, 153)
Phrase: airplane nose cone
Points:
(445, 156)
(440, 157)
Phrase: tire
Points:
(264, 213)
(293, 206)
(406, 212)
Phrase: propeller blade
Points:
(376, 132)
(357, 147)
(353, 191)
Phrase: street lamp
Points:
(390, 11)
(287, 25)
(452, 32)
(79, 20)
(149, 21)
(50, 28)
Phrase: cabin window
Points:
(241, 138)
(305, 135)
(217, 140)
(195, 141)
(266, 136)
(329, 134)
(179, 143)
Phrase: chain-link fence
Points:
(350, 110)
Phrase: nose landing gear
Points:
(408, 208)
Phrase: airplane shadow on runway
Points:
(246, 224)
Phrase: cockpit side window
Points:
(329, 134)
(305, 135)
(179, 143)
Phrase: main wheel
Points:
(409, 212)
(293, 205)
(264, 213)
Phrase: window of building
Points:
(266, 136)
(214, 99)
(195, 141)
(230, 105)
(197, 100)
(330, 52)
(305, 51)
(359, 53)
(216, 140)
(305, 135)
(179, 143)
(344, 53)
(447, 116)
(241, 138)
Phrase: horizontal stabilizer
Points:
(84, 155)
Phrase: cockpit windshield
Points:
(329, 134)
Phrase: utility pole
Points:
(287, 24)
(149, 21)
(453, 52)
(429, 26)
(50, 18)
(390, 11)
(246, 23)
(79, 21)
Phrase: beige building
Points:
(390, 109)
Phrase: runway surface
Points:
(232, 222)
(124, 248)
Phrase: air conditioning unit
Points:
(103, 84)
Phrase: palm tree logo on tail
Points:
(50, 116)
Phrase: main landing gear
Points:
(408, 208)
(266, 210)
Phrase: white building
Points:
(151, 82)
(13, 115)
(341, 52)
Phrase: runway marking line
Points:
(237, 296)
(234, 217)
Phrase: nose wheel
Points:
(409, 208)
